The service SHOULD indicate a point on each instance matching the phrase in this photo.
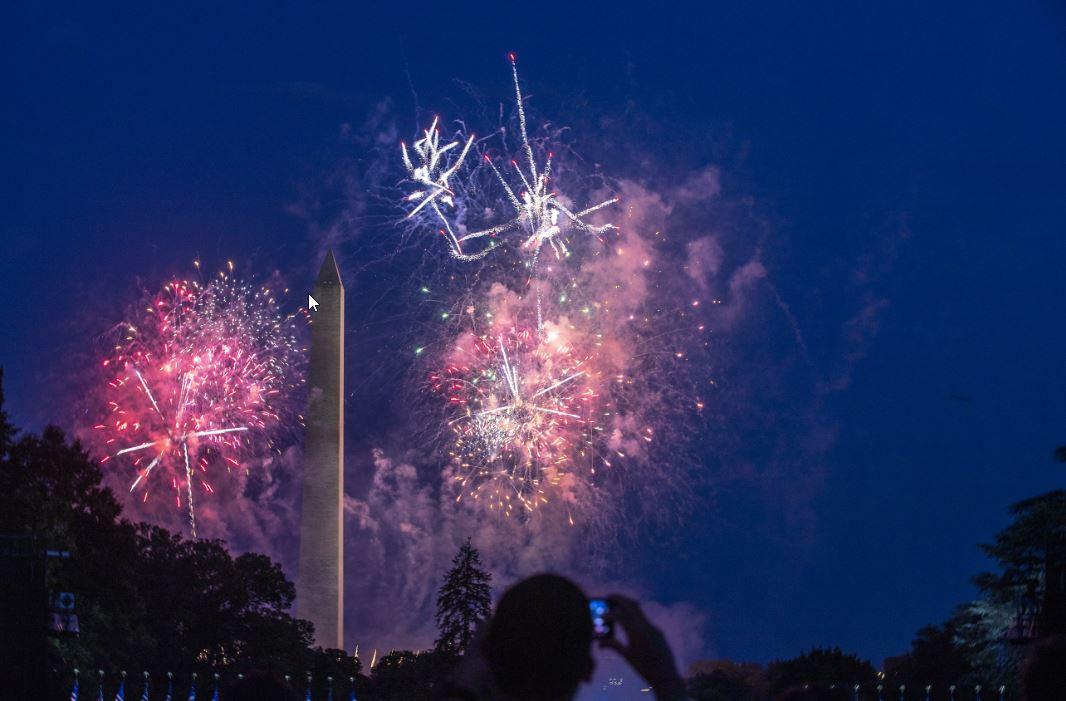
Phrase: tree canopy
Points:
(820, 666)
(1023, 550)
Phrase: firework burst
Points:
(432, 176)
(201, 378)
(523, 411)
(539, 213)
(538, 210)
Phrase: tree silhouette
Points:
(724, 680)
(936, 658)
(1031, 552)
(403, 675)
(463, 600)
(820, 666)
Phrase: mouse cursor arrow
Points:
(312, 303)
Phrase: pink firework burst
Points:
(201, 378)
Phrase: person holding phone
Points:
(538, 645)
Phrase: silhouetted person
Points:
(538, 646)
(539, 641)
(261, 686)
(1044, 676)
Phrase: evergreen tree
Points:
(1031, 553)
(463, 600)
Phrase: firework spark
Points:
(201, 377)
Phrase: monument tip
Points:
(329, 273)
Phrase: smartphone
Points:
(602, 627)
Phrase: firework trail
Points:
(201, 377)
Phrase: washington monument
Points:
(320, 596)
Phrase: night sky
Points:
(905, 163)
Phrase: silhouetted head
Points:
(1044, 678)
(261, 686)
(539, 642)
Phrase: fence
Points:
(192, 689)
(327, 691)
(954, 692)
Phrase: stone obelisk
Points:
(320, 593)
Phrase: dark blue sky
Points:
(922, 144)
